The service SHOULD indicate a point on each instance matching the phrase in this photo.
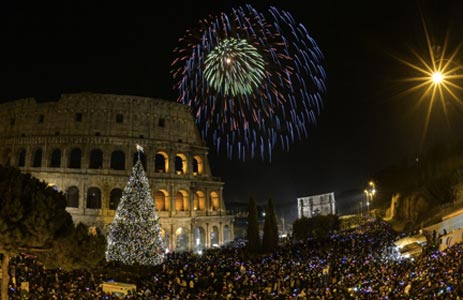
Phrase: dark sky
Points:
(127, 48)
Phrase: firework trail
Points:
(254, 82)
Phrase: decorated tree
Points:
(135, 234)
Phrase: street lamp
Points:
(369, 194)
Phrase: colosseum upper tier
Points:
(85, 146)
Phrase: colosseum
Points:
(84, 145)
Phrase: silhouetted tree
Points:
(270, 238)
(32, 216)
(83, 249)
(253, 244)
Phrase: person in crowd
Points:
(360, 263)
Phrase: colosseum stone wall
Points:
(85, 145)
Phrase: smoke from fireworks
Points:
(253, 82)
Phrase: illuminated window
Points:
(160, 162)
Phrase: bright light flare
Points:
(437, 77)
(440, 78)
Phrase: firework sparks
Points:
(252, 81)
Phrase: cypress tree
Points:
(253, 244)
(270, 238)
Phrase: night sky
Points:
(365, 125)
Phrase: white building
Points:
(449, 231)
(316, 205)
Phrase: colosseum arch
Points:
(181, 239)
(180, 163)
(165, 238)
(96, 159)
(199, 239)
(215, 201)
(161, 162)
(226, 234)
(181, 201)
(199, 201)
(214, 236)
(118, 160)
(161, 200)
(93, 198)
(21, 158)
(37, 158)
(198, 165)
(75, 158)
(72, 196)
(55, 159)
(114, 198)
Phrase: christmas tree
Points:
(135, 233)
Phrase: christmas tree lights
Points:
(135, 233)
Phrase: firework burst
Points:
(252, 81)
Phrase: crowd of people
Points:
(360, 263)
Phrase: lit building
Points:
(316, 205)
(85, 145)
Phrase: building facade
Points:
(316, 205)
(85, 146)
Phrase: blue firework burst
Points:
(254, 82)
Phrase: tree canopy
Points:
(83, 249)
(253, 239)
(270, 237)
(32, 216)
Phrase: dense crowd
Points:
(360, 263)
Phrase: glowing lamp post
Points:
(369, 194)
